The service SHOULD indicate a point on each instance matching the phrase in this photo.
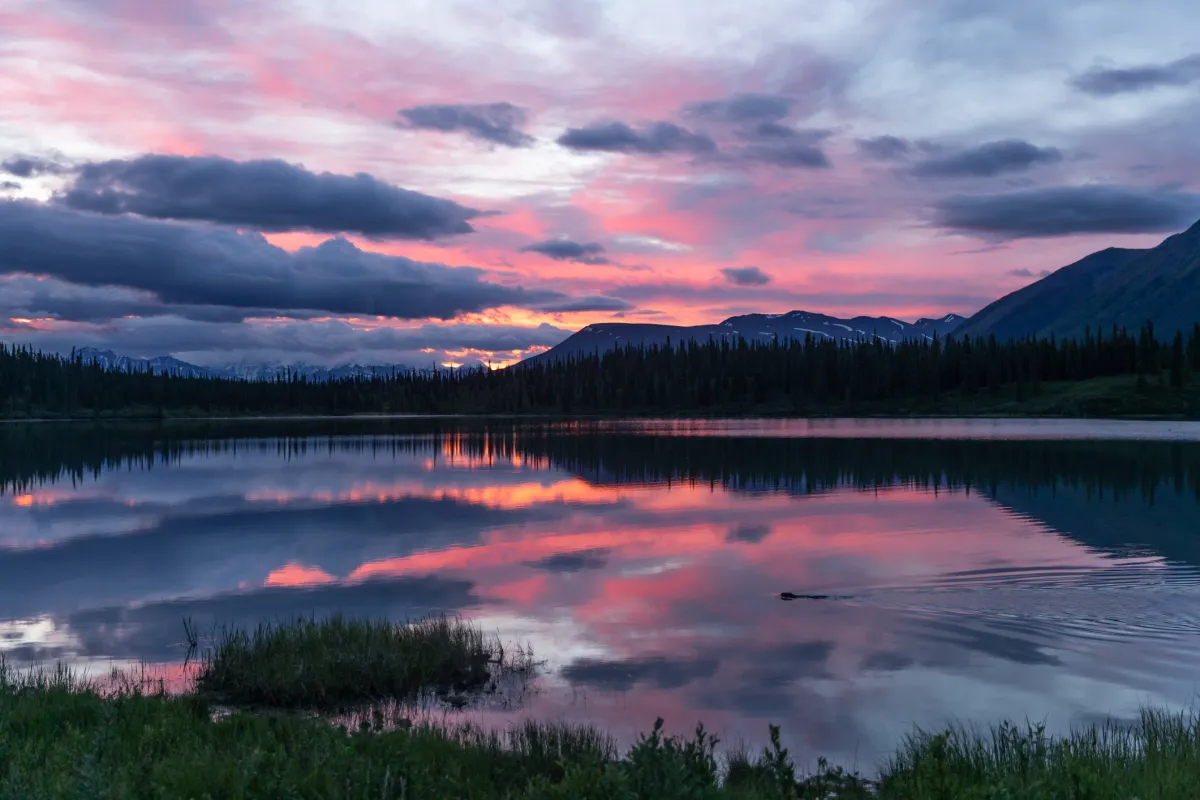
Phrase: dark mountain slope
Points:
(1162, 285)
(1121, 287)
(1038, 307)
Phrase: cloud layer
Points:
(1066, 210)
(986, 160)
(1108, 81)
(31, 166)
(498, 123)
(267, 194)
(658, 138)
(189, 265)
(741, 108)
(567, 250)
(746, 276)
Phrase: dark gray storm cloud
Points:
(771, 130)
(987, 160)
(741, 108)
(884, 148)
(787, 154)
(498, 123)
(33, 298)
(746, 276)
(31, 166)
(1102, 81)
(269, 195)
(1065, 210)
(567, 250)
(658, 138)
(198, 265)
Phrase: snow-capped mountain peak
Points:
(244, 371)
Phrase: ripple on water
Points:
(1066, 607)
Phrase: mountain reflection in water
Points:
(969, 575)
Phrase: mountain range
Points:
(752, 327)
(1116, 286)
(1122, 287)
(242, 371)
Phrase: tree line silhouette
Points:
(32, 456)
(807, 375)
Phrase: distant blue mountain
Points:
(243, 371)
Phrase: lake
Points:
(962, 571)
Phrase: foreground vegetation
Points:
(65, 737)
(62, 737)
(335, 661)
(1120, 372)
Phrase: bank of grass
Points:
(1157, 756)
(63, 737)
(338, 661)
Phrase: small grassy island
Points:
(337, 661)
(62, 736)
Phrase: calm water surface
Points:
(978, 570)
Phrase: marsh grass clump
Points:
(324, 663)
(1158, 755)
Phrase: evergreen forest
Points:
(1114, 373)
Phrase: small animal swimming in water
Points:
(791, 596)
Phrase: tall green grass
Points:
(61, 738)
(1158, 756)
(65, 736)
(337, 661)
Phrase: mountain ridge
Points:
(603, 336)
(241, 371)
(1112, 287)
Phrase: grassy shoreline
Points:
(62, 736)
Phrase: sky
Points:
(463, 181)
